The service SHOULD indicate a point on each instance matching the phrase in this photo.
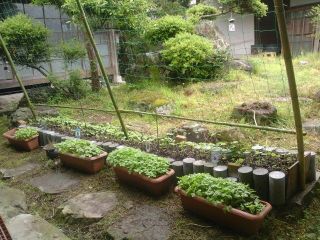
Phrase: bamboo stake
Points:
(14, 70)
(279, 130)
(279, 8)
(106, 79)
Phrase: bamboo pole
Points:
(279, 8)
(106, 79)
(279, 130)
(14, 70)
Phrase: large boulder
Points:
(23, 114)
(312, 126)
(261, 113)
(10, 103)
(240, 64)
(229, 135)
(194, 132)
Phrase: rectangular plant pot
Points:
(4, 233)
(155, 187)
(87, 165)
(27, 145)
(234, 219)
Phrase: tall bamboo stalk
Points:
(14, 70)
(286, 51)
(103, 71)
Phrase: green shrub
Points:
(74, 87)
(26, 40)
(71, 51)
(202, 11)
(25, 133)
(139, 162)
(167, 27)
(192, 57)
(80, 148)
(221, 191)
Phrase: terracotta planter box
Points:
(234, 219)
(155, 187)
(87, 165)
(4, 233)
(27, 145)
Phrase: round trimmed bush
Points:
(167, 27)
(202, 11)
(192, 57)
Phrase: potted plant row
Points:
(142, 170)
(82, 155)
(23, 138)
(231, 204)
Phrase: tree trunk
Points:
(95, 79)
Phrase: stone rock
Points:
(12, 202)
(312, 126)
(143, 223)
(15, 172)
(24, 114)
(165, 110)
(264, 113)
(303, 63)
(29, 227)
(55, 182)
(229, 135)
(241, 64)
(9, 103)
(194, 132)
(91, 206)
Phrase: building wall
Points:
(295, 3)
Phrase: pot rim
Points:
(170, 173)
(10, 135)
(102, 155)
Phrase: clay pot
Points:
(4, 233)
(155, 187)
(27, 145)
(87, 165)
(234, 219)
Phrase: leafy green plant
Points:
(192, 57)
(71, 51)
(202, 11)
(25, 133)
(80, 148)
(139, 162)
(162, 29)
(221, 191)
(27, 41)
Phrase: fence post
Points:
(279, 8)
(103, 71)
(15, 73)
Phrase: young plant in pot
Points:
(231, 204)
(81, 155)
(23, 138)
(142, 170)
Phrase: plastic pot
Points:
(235, 219)
(27, 145)
(154, 186)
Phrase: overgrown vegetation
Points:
(140, 162)
(25, 133)
(80, 148)
(221, 191)
(202, 11)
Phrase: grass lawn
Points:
(216, 100)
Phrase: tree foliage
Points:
(26, 40)
(245, 6)
(160, 30)
(202, 11)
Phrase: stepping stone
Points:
(29, 227)
(12, 202)
(91, 206)
(15, 172)
(55, 182)
(144, 223)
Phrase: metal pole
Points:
(279, 8)
(15, 73)
(106, 79)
